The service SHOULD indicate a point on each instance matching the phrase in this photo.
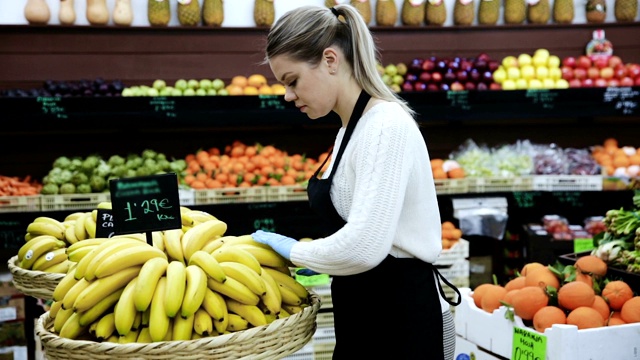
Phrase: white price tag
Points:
(8, 313)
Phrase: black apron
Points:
(392, 310)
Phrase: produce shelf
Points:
(20, 203)
(73, 201)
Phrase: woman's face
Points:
(311, 87)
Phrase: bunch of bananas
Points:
(190, 283)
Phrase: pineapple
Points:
(364, 8)
(596, 11)
(488, 12)
(563, 11)
(435, 12)
(463, 12)
(189, 12)
(264, 12)
(386, 13)
(539, 12)
(158, 12)
(515, 11)
(625, 10)
(212, 13)
(412, 12)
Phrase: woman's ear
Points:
(330, 58)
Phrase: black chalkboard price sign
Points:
(145, 203)
(105, 227)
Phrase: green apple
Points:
(500, 75)
(524, 59)
(513, 73)
(562, 84)
(193, 84)
(542, 72)
(223, 92)
(509, 61)
(127, 92)
(527, 72)
(535, 84)
(396, 88)
(159, 84)
(189, 92)
(402, 69)
(509, 84)
(153, 92)
(201, 92)
(180, 84)
(135, 90)
(548, 83)
(217, 84)
(386, 78)
(397, 79)
(522, 84)
(212, 92)
(176, 92)
(166, 91)
(205, 84)
(553, 62)
(390, 70)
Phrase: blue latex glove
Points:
(280, 243)
(306, 272)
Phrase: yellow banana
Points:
(39, 248)
(283, 314)
(214, 304)
(137, 236)
(237, 323)
(173, 245)
(202, 322)
(144, 319)
(193, 217)
(169, 334)
(185, 221)
(90, 226)
(144, 336)
(236, 254)
(125, 311)
(214, 243)
(158, 319)
(59, 268)
(148, 278)
(64, 285)
(195, 336)
(288, 296)
(288, 281)
(127, 257)
(209, 264)
(72, 328)
(99, 309)
(266, 257)
(137, 321)
(49, 220)
(105, 205)
(270, 318)
(106, 326)
(182, 328)
(46, 228)
(272, 299)
(199, 234)
(131, 337)
(234, 289)
(102, 287)
(106, 250)
(176, 285)
(45, 239)
(77, 254)
(194, 292)
(70, 234)
(50, 258)
(72, 294)
(220, 325)
(251, 313)
(157, 239)
(79, 230)
(245, 275)
(73, 216)
(54, 308)
(293, 309)
(92, 328)
(28, 237)
(94, 215)
(61, 317)
(86, 243)
(243, 239)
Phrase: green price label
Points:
(580, 245)
(312, 280)
(528, 345)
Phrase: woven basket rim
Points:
(39, 284)
(215, 347)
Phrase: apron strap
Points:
(439, 276)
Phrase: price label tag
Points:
(51, 106)
(580, 245)
(459, 99)
(105, 227)
(544, 98)
(145, 203)
(311, 280)
(528, 345)
(164, 105)
(275, 102)
(266, 224)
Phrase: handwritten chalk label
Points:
(51, 106)
(624, 99)
(105, 227)
(459, 99)
(528, 345)
(526, 199)
(274, 102)
(266, 224)
(545, 98)
(164, 105)
(145, 203)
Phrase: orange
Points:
(543, 277)
(250, 90)
(256, 80)
(528, 300)
(278, 89)
(239, 80)
(235, 89)
(515, 283)
(630, 312)
(491, 298)
(265, 90)
(585, 317)
(529, 267)
(591, 264)
(575, 294)
(478, 292)
(601, 305)
(616, 293)
(548, 316)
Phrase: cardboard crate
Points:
(73, 201)
(20, 203)
(494, 333)
(567, 183)
(451, 186)
(459, 251)
(287, 193)
(500, 184)
(230, 195)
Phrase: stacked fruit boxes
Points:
(453, 264)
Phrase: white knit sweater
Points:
(384, 189)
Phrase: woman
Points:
(377, 196)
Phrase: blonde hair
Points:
(304, 32)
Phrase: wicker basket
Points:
(273, 341)
(38, 284)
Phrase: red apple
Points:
(587, 82)
(432, 87)
(493, 65)
(462, 76)
(614, 61)
(436, 77)
(425, 76)
(580, 73)
(428, 65)
(470, 85)
(600, 62)
(483, 56)
(575, 83)
(626, 81)
(636, 82)
(419, 86)
(495, 86)
(457, 86)
(407, 86)
(593, 73)
(567, 72)
(600, 83)
(482, 86)
(584, 62)
(633, 70)
(620, 71)
(613, 83)
(445, 87)
(607, 73)
(569, 61)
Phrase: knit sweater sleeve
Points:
(369, 190)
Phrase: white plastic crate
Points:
(324, 292)
(287, 193)
(20, 203)
(500, 184)
(230, 195)
(466, 350)
(73, 201)
(324, 319)
(494, 333)
(451, 186)
(456, 271)
(459, 251)
(567, 183)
